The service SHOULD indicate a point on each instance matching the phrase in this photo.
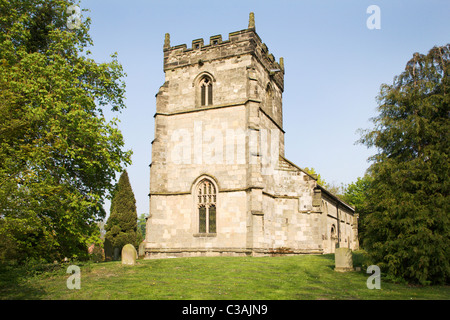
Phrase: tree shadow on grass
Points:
(330, 259)
(328, 256)
(15, 284)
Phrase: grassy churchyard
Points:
(223, 278)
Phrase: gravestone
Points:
(108, 250)
(129, 254)
(343, 260)
(116, 254)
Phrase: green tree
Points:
(58, 153)
(356, 194)
(142, 224)
(313, 172)
(408, 230)
(121, 227)
(331, 187)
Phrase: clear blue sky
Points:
(334, 66)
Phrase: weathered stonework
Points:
(129, 254)
(219, 119)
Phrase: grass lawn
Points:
(220, 278)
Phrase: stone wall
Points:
(173, 226)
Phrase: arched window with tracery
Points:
(206, 204)
(206, 91)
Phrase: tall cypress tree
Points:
(121, 227)
(408, 231)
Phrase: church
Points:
(219, 180)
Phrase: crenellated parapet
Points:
(239, 43)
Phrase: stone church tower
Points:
(219, 181)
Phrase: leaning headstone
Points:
(343, 260)
(129, 254)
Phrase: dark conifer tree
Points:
(121, 227)
(408, 230)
